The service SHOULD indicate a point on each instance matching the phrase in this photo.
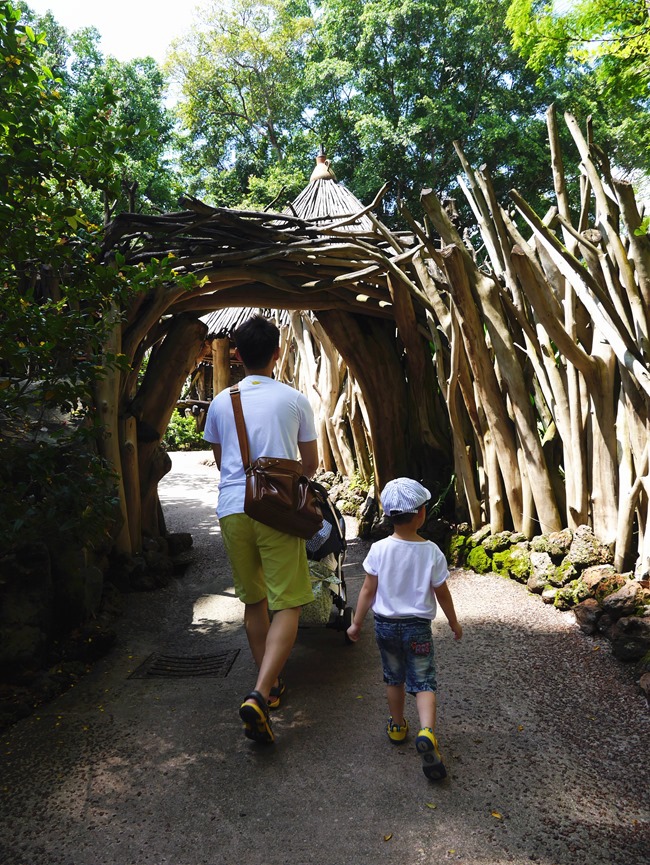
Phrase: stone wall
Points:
(574, 572)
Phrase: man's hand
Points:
(457, 628)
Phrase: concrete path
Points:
(545, 736)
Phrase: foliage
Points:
(385, 85)
(66, 494)
(182, 434)
(609, 42)
(58, 299)
(241, 73)
(147, 180)
(398, 82)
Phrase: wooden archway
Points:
(368, 289)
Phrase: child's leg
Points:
(426, 743)
(396, 696)
(426, 703)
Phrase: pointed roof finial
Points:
(322, 170)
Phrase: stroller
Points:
(326, 554)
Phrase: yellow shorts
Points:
(266, 563)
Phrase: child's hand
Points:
(457, 628)
(354, 632)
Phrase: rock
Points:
(456, 551)
(622, 602)
(644, 684)
(161, 566)
(22, 647)
(587, 550)
(519, 538)
(497, 543)
(644, 665)
(27, 589)
(630, 638)
(594, 575)
(563, 574)
(570, 595)
(479, 536)
(587, 614)
(605, 623)
(608, 586)
(178, 543)
(556, 544)
(541, 567)
(536, 584)
(513, 563)
(347, 507)
(548, 595)
(478, 560)
(88, 643)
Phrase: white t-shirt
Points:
(407, 573)
(277, 417)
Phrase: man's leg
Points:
(280, 638)
(257, 623)
(279, 641)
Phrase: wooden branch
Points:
(485, 379)
(608, 217)
(604, 315)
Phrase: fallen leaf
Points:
(596, 649)
(497, 815)
(431, 805)
(388, 837)
(520, 727)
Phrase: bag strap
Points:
(235, 396)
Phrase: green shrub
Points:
(182, 434)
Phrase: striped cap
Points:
(403, 496)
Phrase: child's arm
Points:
(443, 596)
(364, 602)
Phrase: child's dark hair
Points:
(256, 340)
(402, 519)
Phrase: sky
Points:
(129, 28)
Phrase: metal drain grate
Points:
(186, 666)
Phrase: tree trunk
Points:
(369, 348)
(220, 365)
(155, 401)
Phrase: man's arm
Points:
(309, 457)
(216, 450)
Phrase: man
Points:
(270, 570)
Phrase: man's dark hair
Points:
(256, 340)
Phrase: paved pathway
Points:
(545, 736)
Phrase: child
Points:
(405, 576)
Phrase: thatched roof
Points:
(223, 322)
(325, 201)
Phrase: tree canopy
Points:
(608, 42)
(386, 86)
(138, 87)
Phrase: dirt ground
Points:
(544, 734)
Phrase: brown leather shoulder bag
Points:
(277, 492)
